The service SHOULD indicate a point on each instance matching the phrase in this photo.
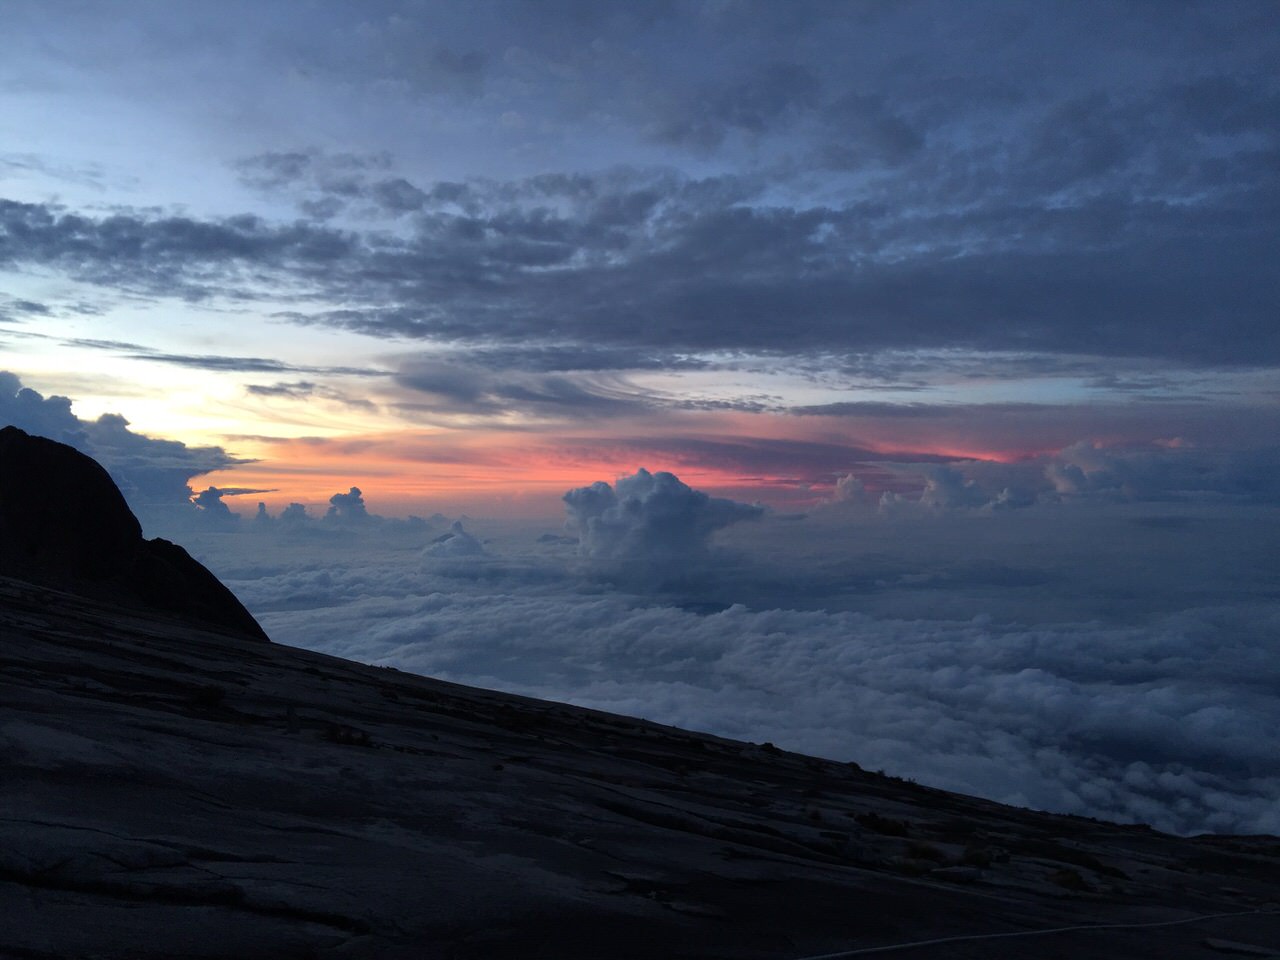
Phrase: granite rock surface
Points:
(64, 523)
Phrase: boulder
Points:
(64, 523)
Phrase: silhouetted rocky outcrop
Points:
(64, 523)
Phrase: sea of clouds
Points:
(1121, 662)
(1092, 652)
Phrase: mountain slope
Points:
(174, 792)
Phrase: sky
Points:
(741, 340)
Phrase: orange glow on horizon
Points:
(392, 469)
(527, 471)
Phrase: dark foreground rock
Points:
(64, 523)
(171, 792)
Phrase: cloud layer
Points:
(1157, 719)
(1023, 187)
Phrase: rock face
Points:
(166, 792)
(64, 523)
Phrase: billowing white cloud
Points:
(209, 502)
(850, 490)
(946, 487)
(1168, 471)
(649, 520)
(453, 544)
(348, 507)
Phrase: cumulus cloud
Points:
(294, 515)
(345, 525)
(454, 544)
(849, 489)
(945, 487)
(209, 502)
(152, 474)
(45, 416)
(458, 388)
(1172, 471)
(649, 519)
(1164, 471)
(348, 507)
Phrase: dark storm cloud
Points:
(567, 358)
(905, 177)
(11, 306)
(303, 389)
(761, 279)
(453, 387)
(662, 264)
(165, 256)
